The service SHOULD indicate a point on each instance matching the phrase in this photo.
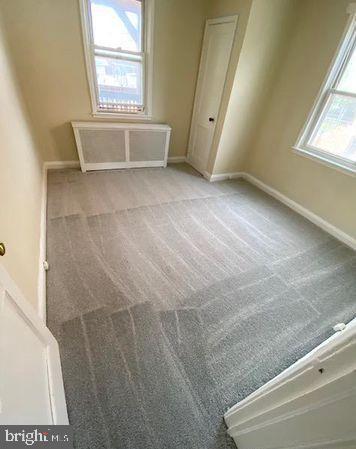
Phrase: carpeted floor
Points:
(172, 298)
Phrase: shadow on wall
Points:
(63, 139)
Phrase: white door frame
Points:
(56, 388)
(225, 19)
(303, 392)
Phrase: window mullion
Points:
(108, 50)
(119, 56)
(343, 92)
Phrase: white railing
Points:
(309, 405)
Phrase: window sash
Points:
(329, 88)
(143, 30)
(346, 57)
(315, 124)
(121, 107)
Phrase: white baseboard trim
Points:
(214, 178)
(41, 281)
(51, 165)
(176, 159)
(222, 177)
(192, 164)
(41, 286)
(318, 221)
(211, 177)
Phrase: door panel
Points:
(24, 361)
(201, 142)
(217, 45)
(31, 385)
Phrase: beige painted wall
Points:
(20, 184)
(262, 52)
(46, 45)
(327, 192)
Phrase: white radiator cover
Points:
(106, 146)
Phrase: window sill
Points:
(325, 160)
(113, 115)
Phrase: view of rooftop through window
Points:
(117, 39)
(117, 24)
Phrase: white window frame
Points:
(147, 63)
(335, 71)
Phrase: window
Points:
(330, 133)
(117, 48)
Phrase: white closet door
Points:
(218, 40)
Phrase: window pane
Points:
(336, 131)
(117, 24)
(119, 82)
(348, 79)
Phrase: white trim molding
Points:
(176, 159)
(324, 159)
(306, 213)
(41, 288)
(318, 221)
(147, 63)
(56, 165)
(117, 116)
(222, 177)
(41, 279)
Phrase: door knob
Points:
(211, 119)
(2, 249)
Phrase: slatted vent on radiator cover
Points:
(121, 145)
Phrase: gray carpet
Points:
(172, 298)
